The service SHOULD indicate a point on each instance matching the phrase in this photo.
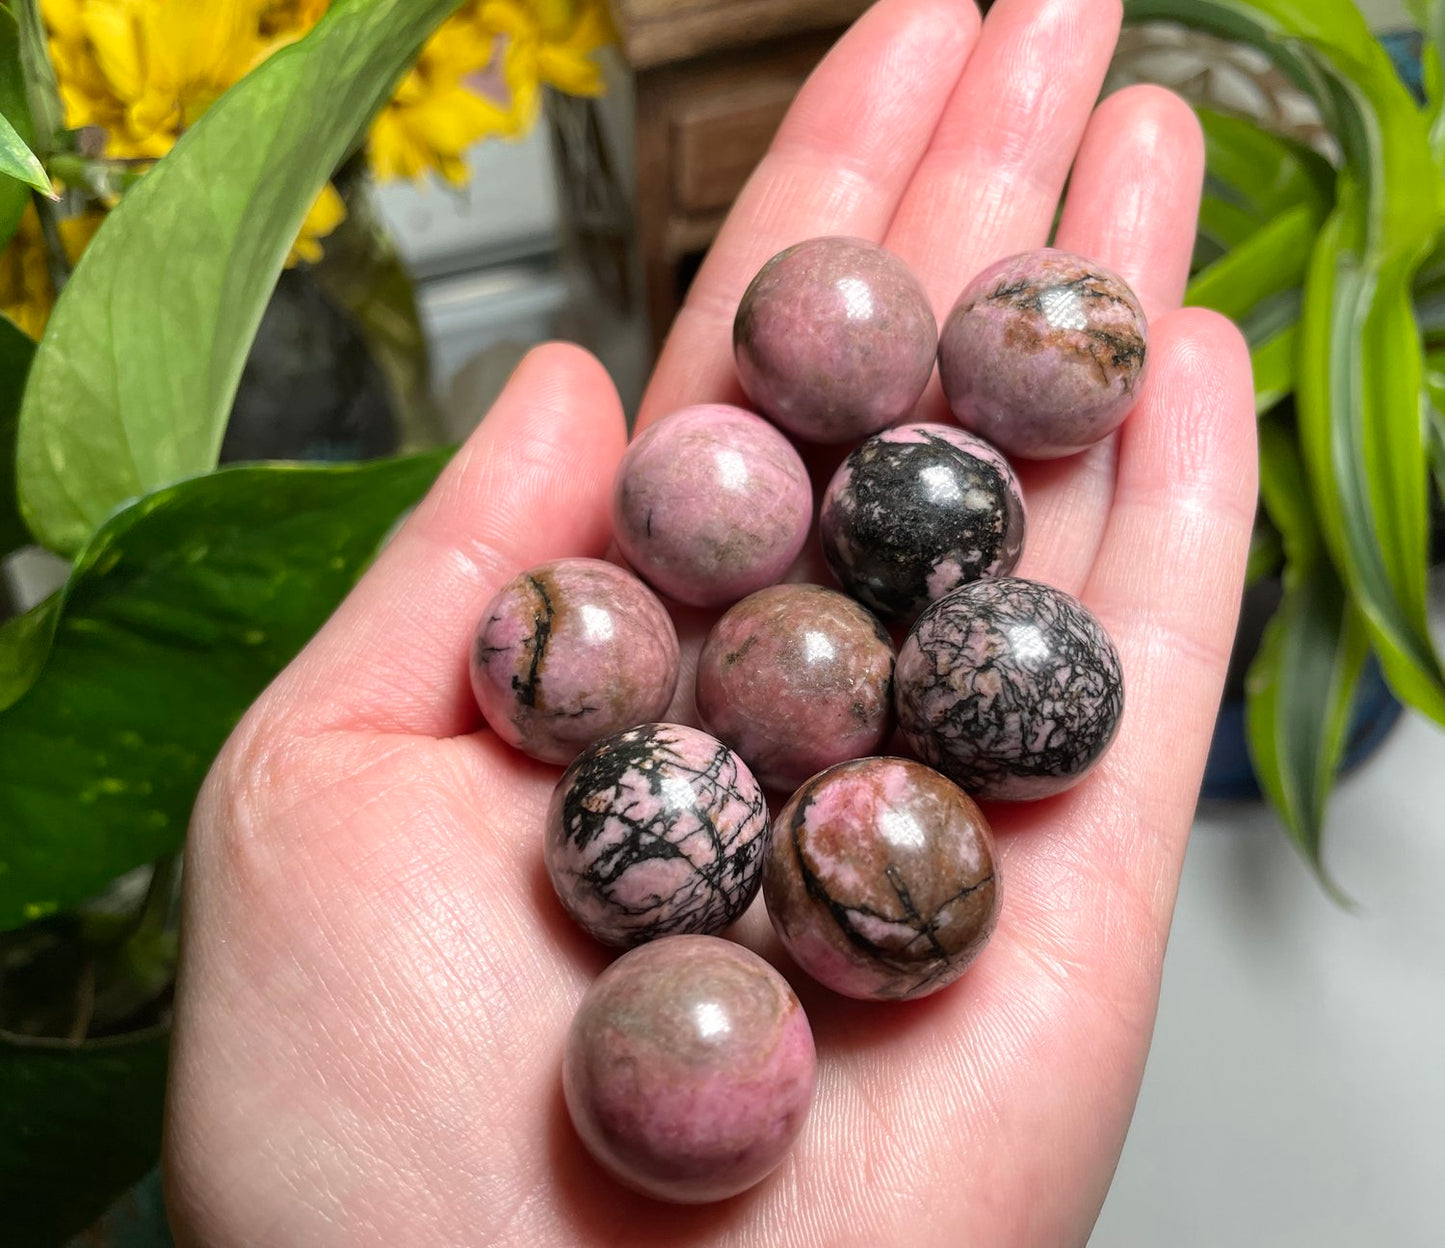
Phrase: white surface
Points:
(467, 314)
(510, 204)
(1295, 1095)
(1384, 14)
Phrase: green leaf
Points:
(42, 95)
(135, 378)
(1435, 391)
(1271, 261)
(24, 643)
(1225, 222)
(176, 616)
(1274, 369)
(79, 1124)
(1266, 554)
(13, 195)
(1300, 687)
(1359, 376)
(16, 351)
(17, 161)
(1362, 433)
(1263, 173)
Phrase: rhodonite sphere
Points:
(1009, 687)
(1043, 354)
(835, 339)
(796, 678)
(569, 652)
(656, 831)
(880, 879)
(917, 511)
(710, 504)
(689, 1069)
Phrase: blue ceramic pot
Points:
(1229, 774)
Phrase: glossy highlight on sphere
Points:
(881, 879)
(710, 504)
(1011, 688)
(656, 831)
(1044, 354)
(835, 339)
(796, 678)
(917, 511)
(570, 652)
(689, 1069)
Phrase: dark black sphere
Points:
(917, 511)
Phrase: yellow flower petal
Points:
(26, 295)
(507, 17)
(523, 78)
(113, 30)
(326, 214)
(76, 233)
(573, 72)
(65, 18)
(555, 17)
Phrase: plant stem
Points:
(99, 179)
(55, 258)
(155, 911)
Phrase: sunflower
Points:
(140, 72)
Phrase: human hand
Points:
(377, 981)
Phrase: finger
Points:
(533, 483)
(1092, 875)
(1132, 204)
(1167, 585)
(838, 165)
(991, 179)
(1133, 200)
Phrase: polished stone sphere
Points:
(835, 339)
(710, 504)
(570, 652)
(917, 511)
(689, 1069)
(656, 831)
(881, 879)
(1044, 354)
(1011, 688)
(796, 678)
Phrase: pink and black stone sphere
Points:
(656, 831)
(835, 339)
(917, 511)
(796, 678)
(710, 504)
(1009, 687)
(1044, 354)
(689, 1069)
(569, 652)
(880, 879)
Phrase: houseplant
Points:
(177, 146)
(1334, 268)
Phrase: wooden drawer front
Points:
(714, 152)
(657, 32)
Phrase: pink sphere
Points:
(689, 1069)
(710, 504)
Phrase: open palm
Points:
(377, 981)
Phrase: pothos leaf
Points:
(178, 613)
(134, 380)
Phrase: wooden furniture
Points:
(714, 78)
